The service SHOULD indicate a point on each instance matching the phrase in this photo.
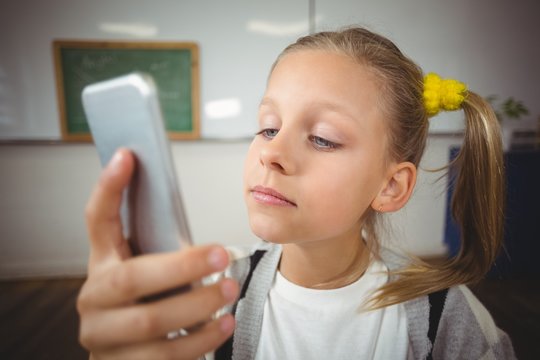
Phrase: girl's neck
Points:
(327, 264)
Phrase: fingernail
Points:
(228, 289)
(217, 258)
(116, 159)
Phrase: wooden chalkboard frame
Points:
(190, 133)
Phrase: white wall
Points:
(44, 189)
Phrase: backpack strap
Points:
(436, 305)
(224, 352)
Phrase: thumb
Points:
(103, 211)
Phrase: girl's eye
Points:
(322, 143)
(268, 133)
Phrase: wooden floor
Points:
(38, 318)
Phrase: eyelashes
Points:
(323, 143)
(318, 142)
(268, 133)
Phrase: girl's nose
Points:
(277, 154)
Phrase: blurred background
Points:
(492, 45)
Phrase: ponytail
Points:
(477, 207)
(478, 200)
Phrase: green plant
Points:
(508, 109)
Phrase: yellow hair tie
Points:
(442, 94)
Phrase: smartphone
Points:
(125, 112)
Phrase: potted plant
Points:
(507, 112)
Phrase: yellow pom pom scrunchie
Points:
(442, 94)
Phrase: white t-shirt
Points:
(303, 323)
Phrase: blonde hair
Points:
(477, 203)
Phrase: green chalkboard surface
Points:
(174, 67)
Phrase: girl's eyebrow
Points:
(333, 107)
(324, 105)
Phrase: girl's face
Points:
(319, 159)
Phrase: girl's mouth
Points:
(270, 196)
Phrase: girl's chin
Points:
(270, 235)
(272, 238)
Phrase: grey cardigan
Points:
(465, 329)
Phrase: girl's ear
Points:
(397, 190)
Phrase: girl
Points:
(343, 126)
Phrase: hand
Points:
(113, 324)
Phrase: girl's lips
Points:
(270, 196)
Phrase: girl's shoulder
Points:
(456, 322)
(457, 326)
(464, 321)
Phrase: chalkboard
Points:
(174, 67)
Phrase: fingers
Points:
(191, 346)
(150, 274)
(151, 321)
(103, 209)
(112, 321)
